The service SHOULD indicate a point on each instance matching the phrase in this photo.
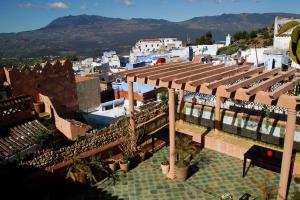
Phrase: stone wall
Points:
(88, 93)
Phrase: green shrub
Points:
(229, 49)
(44, 136)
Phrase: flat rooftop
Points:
(84, 78)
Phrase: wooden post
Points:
(218, 114)
(287, 154)
(172, 172)
(181, 106)
(131, 111)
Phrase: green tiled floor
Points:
(212, 175)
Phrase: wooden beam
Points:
(184, 73)
(268, 83)
(284, 88)
(211, 71)
(244, 83)
(233, 78)
(178, 69)
(227, 72)
(166, 69)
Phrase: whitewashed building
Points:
(147, 46)
(207, 49)
(275, 58)
(111, 58)
(254, 55)
(228, 40)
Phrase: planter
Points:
(165, 168)
(39, 107)
(112, 164)
(182, 173)
(142, 156)
(124, 166)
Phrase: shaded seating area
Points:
(238, 82)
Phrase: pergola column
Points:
(218, 114)
(287, 154)
(131, 108)
(172, 172)
(181, 105)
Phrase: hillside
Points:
(244, 40)
(90, 35)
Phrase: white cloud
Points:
(84, 6)
(125, 2)
(28, 5)
(52, 5)
(57, 5)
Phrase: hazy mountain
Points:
(89, 35)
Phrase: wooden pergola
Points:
(238, 82)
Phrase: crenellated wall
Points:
(56, 81)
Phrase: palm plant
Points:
(80, 171)
(186, 149)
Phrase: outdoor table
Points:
(266, 158)
(161, 135)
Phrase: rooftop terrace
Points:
(213, 175)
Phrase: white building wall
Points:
(250, 55)
(282, 42)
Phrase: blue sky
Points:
(22, 15)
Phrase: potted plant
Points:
(127, 153)
(165, 165)
(124, 164)
(39, 106)
(112, 164)
(185, 149)
(81, 172)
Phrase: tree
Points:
(205, 39)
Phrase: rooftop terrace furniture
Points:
(266, 158)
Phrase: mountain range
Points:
(90, 35)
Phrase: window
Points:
(146, 45)
(152, 45)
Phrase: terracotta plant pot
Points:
(124, 166)
(182, 173)
(165, 168)
(39, 107)
(112, 164)
(142, 156)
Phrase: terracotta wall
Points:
(139, 97)
(55, 81)
(69, 128)
(124, 94)
(2, 75)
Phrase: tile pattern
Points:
(213, 174)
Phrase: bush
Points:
(231, 49)
(43, 137)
